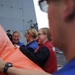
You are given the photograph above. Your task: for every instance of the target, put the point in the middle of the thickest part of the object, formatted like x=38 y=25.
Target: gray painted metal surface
x=17 y=15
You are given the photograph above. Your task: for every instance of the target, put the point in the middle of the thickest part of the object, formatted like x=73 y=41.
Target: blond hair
x=33 y=32
x=47 y=32
x=16 y=32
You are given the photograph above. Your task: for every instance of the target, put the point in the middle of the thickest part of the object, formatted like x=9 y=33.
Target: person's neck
x=30 y=40
x=70 y=51
x=45 y=41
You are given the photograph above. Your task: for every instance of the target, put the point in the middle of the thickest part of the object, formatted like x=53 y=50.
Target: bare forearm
x=16 y=71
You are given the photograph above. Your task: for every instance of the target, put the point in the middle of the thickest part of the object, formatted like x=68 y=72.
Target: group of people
x=43 y=55
x=61 y=15
x=41 y=52
x=15 y=38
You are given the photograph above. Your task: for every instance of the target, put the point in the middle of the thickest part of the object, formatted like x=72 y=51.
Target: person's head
x=44 y=35
x=61 y=15
x=8 y=31
x=15 y=37
x=31 y=34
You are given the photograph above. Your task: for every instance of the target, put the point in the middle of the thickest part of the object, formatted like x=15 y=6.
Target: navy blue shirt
x=19 y=43
x=33 y=45
x=68 y=69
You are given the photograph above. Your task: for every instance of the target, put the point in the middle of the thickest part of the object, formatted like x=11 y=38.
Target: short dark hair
x=8 y=30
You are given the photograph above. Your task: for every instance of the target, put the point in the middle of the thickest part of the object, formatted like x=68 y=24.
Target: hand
x=2 y=64
x=16 y=46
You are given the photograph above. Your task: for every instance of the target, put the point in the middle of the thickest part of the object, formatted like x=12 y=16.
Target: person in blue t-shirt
x=16 y=39
x=31 y=36
x=61 y=15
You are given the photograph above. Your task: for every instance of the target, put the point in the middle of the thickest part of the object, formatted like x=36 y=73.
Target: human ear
x=69 y=11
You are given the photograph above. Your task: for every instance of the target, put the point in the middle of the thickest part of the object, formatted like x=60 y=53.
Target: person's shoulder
x=44 y=48
x=33 y=43
x=20 y=43
x=67 y=69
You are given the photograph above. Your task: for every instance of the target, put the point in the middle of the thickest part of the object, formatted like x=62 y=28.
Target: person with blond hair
x=31 y=36
x=16 y=39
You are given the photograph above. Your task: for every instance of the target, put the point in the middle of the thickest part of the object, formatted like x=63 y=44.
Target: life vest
x=51 y=64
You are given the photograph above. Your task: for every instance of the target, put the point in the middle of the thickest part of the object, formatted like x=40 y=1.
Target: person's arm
x=17 y=71
x=39 y=57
